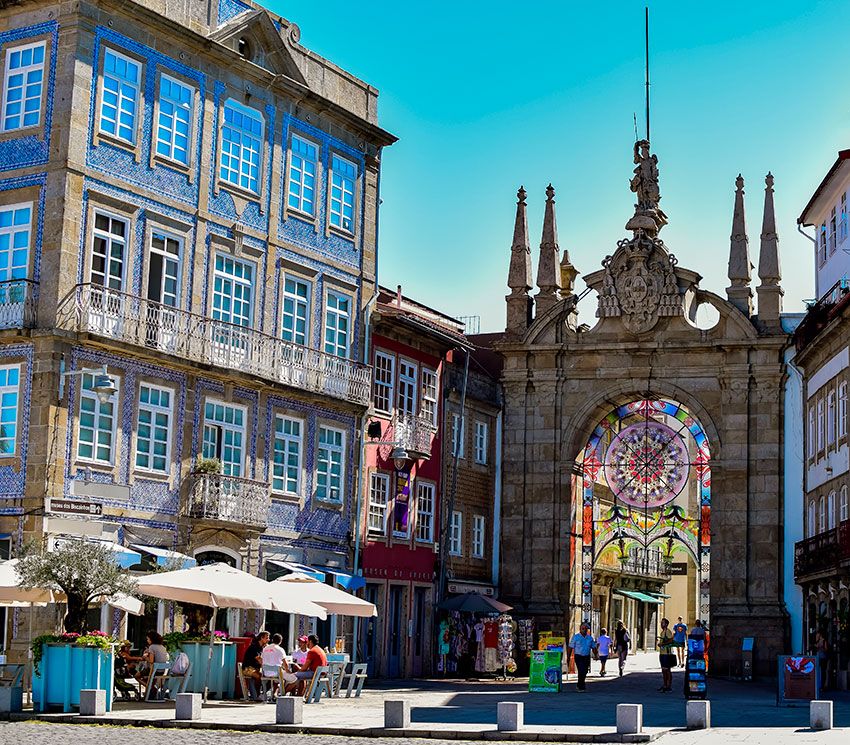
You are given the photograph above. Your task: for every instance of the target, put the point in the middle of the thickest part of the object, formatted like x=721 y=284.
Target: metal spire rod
x=646 y=30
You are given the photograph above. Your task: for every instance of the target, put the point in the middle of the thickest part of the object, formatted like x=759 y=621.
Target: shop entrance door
x=394 y=642
x=419 y=633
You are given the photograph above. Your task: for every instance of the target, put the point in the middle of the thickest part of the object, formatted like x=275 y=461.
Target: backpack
x=181 y=664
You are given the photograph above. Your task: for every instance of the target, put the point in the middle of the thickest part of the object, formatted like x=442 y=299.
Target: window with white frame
x=119 y=105
x=23 y=86
x=811 y=527
x=379 y=494
x=241 y=145
x=456 y=534
x=425 y=512
x=233 y=286
x=10 y=379
x=296 y=310
x=821 y=249
x=478 y=536
x=343 y=179
x=96 y=425
x=822 y=514
x=842 y=221
x=830 y=418
x=173 y=131
x=287 y=446
x=481 y=437
x=224 y=436
x=457 y=436
x=833 y=230
x=406 y=386
x=382 y=394
x=164 y=270
x=843 y=507
x=337 y=323
x=303 y=157
x=153 y=431
x=812 y=432
x=830 y=511
x=821 y=426
x=330 y=469
x=109 y=247
x=842 y=409
x=429 y=395
x=15 y=232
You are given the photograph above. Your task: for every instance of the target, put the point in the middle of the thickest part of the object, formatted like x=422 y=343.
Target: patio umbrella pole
x=29 y=655
x=209 y=657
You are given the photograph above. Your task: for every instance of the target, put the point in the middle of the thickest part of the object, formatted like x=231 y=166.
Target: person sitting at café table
x=299 y=656
x=155 y=652
x=274 y=662
x=316 y=658
x=252 y=663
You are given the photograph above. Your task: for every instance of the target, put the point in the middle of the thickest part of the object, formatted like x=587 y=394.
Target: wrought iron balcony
x=823 y=552
x=412 y=434
x=18 y=303
x=227 y=499
x=133 y=319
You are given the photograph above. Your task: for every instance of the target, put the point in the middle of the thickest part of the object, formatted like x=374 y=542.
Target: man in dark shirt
x=252 y=663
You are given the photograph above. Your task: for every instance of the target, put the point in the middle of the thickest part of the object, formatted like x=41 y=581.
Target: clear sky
x=486 y=96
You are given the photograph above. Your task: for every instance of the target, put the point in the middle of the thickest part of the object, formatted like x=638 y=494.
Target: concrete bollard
x=188 y=706
x=698 y=714
x=820 y=714
x=629 y=719
x=397 y=714
x=510 y=716
x=92 y=702
x=290 y=710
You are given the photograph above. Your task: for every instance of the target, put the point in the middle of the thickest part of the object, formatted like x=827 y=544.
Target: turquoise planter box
x=66 y=669
x=222 y=671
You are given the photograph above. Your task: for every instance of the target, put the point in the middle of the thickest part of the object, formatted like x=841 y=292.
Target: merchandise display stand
x=695 y=669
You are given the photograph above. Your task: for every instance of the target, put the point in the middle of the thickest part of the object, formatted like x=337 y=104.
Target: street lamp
x=103 y=383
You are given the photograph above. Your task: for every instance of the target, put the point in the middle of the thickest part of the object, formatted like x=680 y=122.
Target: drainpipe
x=815 y=244
x=497 y=502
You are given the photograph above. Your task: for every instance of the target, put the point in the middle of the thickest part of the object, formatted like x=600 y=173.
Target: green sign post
x=545 y=672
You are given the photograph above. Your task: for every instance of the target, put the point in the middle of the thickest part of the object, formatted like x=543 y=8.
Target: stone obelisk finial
x=769 y=291
x=548 y=269
x=739 y=292
x=519 y=273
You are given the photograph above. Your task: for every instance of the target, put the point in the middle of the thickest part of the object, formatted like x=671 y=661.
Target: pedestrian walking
x=666 y=656
x=680 y=635
x=603 y=649
x=622 y=642
x=582 y=644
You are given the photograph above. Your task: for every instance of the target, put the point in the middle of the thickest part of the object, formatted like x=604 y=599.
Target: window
x=832 y=232
x=286 y=468
x=23 y=86
x=15 y=226
x=175 y=120
x=842 y=505
x=481 y=442
x=425 y=512
x=302 y=175
x=822 y=514
x=830 y=418
x=96 y=433
x=241 y=144
x=382 y=396
x=120 y=96
x=108 y=249
x=406 y=387
x=224 y=436
x=456 y=534
x=842 y=225
x=233 y=282
x=153 y=433
x=164 y=269
x=428 y=407
x=296 y=310
x=842 y=410
x=329 y=466
x=343 y=175
x=478 y=536
x=830 y=511
x=10 y=378
x=821 y=426
x=379 y=493
x=457 y=435
x=812 y=432
x=337 y=319
x=811 y=527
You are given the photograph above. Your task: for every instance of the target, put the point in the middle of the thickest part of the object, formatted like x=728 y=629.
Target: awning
x=346 y=580
x=125 y=557
x=292 y=566
x=642 y=596
x=657 y=594
x=165 y=556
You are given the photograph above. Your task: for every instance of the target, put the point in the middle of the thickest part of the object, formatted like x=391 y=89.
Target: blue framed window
x=23 y=86
x=343 y=177
x=241 y=145
x=153 y=433
x=10 y=378
x=175 y=120
x=120 y=96
x=302 y=175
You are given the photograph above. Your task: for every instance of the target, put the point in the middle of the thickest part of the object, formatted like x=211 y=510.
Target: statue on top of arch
x=648 y=215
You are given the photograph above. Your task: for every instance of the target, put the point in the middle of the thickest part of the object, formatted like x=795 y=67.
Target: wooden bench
x=160 y=673
x=319 y=683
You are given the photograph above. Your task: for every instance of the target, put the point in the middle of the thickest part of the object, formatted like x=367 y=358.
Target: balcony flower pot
x=65 y=669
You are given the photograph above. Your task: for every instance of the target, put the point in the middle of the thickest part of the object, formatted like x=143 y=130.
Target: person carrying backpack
x=622 y=642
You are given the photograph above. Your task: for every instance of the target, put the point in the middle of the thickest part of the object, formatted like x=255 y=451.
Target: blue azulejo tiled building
x=188 y=212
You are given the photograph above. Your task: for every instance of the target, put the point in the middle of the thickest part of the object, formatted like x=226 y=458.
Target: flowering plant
x=96 y=639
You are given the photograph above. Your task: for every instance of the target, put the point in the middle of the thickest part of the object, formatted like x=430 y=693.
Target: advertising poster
x=545 y=671
x=798 y=679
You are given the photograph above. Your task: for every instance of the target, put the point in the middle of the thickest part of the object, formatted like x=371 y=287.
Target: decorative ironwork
x=822 y=552
x=227 y=499
x=413 y=434
x=18 y=303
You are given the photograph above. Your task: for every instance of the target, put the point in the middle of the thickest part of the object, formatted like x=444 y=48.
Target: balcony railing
x=413 y=434
x=823 y=552
x=18 y=303
x=133 y=319
x=650 y=567
x=227 y=499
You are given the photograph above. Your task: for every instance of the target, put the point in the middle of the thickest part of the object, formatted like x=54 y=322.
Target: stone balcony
x=226 y=500
x=412 y=435
x=822 y=553
x=129 y=318
x=18 y=303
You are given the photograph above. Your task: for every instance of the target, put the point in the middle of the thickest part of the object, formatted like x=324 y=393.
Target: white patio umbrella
x=11 y=590
x=222 y=586
x=332 y=599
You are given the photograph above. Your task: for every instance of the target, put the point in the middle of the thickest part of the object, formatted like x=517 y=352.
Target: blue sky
x=486 y=96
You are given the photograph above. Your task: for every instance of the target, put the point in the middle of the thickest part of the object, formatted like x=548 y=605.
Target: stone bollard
x=509 y=716
x=698 y=714
x=92 y=702
x=629 y=719
x=820 y=714
x=397 y=714
x=290 y=710
x=188 y=706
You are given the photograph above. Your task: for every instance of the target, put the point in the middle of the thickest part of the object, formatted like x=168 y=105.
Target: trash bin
x=747 y=657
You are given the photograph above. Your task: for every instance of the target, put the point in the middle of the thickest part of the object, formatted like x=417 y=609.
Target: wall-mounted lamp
x=102 y=384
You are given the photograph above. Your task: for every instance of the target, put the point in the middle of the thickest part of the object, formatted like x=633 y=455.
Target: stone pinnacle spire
x=769 y=291
x=519 y=273
x=548 y=269
x=739 y=291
